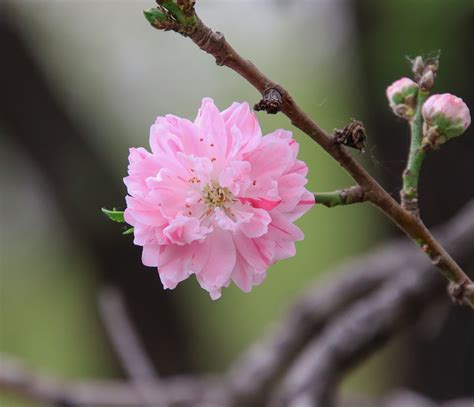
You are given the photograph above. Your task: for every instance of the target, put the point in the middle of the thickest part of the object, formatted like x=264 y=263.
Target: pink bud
x=446 y=116
x=401 y=95
x=398 y=90
x=451 y=107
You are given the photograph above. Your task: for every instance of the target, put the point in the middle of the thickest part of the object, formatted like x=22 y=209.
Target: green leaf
x=129 y=231
x=174 y=10
x=116 y=216
x=153 y=15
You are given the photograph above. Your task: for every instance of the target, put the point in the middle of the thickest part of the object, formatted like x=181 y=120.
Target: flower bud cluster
x=425 y=71
x=444 y=116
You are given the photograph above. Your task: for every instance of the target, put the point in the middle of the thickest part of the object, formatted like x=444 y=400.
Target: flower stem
x=347 y=196
x=409 y=193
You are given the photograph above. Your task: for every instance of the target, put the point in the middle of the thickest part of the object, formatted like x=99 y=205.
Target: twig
x=255 y=373
x=215 y=44
x=352 y=195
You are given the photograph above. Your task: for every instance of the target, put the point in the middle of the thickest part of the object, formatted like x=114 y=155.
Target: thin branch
x=215 y=44
x=254 y=374
x=348 y=196
x=126 y=343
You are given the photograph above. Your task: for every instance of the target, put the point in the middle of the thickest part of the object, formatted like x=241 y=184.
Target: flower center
x=215 y=196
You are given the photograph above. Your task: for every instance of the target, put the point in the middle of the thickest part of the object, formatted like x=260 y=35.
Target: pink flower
x=401 y=95
x=216 y=199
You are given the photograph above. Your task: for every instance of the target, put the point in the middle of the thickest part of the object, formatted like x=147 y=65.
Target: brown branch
x=215 y=44
x=253 y=376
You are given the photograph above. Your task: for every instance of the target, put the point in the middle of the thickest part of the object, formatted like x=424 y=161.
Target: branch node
x=353 y=194
x=459 y=292
x=348 y=196
x=271 y=101
x=353 y=135
x=410 y=199
x=219 y=39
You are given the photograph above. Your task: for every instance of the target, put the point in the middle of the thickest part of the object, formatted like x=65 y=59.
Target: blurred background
x=82 y=81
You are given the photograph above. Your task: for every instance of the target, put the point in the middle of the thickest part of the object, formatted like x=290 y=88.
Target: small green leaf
x=174 y=10
x=153 y=15
x=129 y=231
x=116 y=216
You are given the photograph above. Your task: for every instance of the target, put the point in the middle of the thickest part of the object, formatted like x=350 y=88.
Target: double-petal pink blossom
x=216 y=199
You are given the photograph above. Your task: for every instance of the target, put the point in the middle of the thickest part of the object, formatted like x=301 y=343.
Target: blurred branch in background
x=125 y=341
x=325 y=335
x=181 y=392
x=314 y=315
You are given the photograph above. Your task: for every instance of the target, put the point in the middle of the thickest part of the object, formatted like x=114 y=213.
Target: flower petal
x=221 y=260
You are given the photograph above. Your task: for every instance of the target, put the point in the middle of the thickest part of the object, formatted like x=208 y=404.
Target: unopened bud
x=418 y=67
x=176 y=15
x=446 y=116
x=432 y=64
x=153 y=15
x=402 y=97
x=427 y=81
